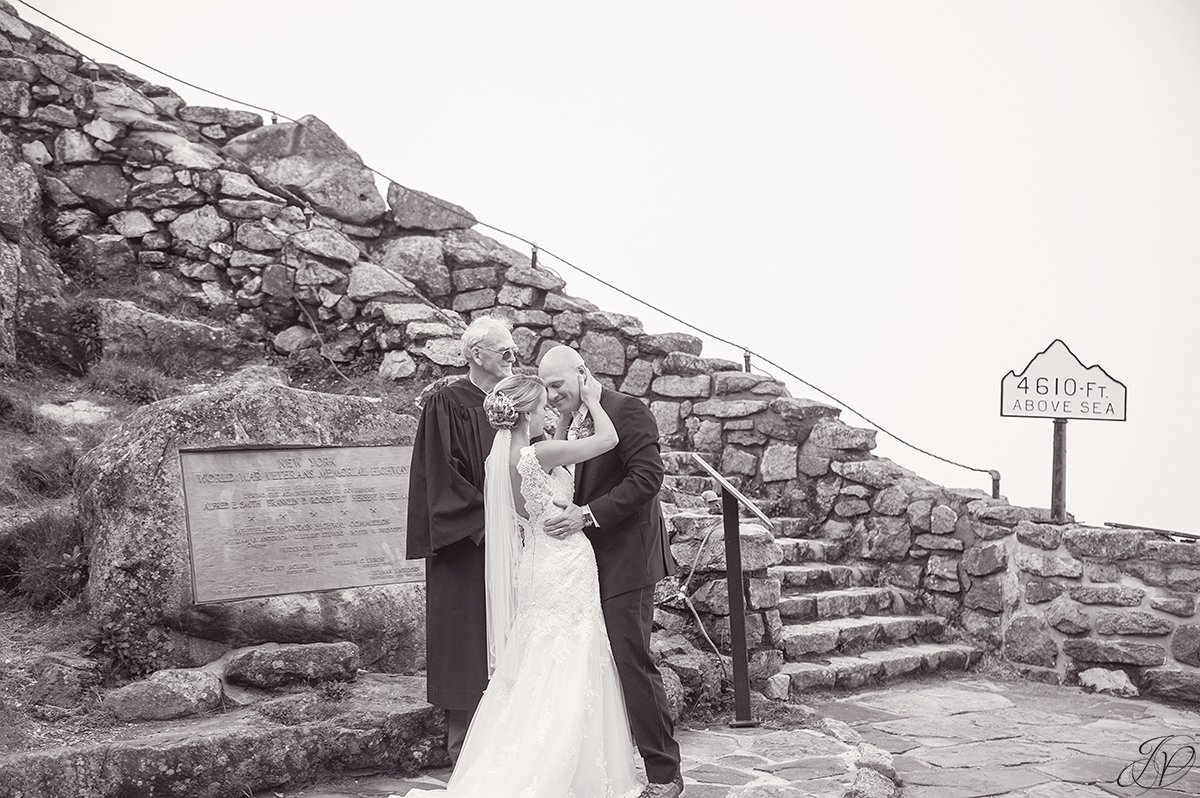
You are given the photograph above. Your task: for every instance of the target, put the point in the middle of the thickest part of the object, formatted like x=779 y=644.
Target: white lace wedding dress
x=552 y=722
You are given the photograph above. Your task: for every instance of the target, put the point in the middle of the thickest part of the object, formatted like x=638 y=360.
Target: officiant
x=445 y=524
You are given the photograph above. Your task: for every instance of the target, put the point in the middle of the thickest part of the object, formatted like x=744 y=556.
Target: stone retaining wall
x=1084 y=597
x=1056 y=600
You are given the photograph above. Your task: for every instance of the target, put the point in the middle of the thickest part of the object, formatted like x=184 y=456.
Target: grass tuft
x=47 y=471
x=43 y=562
x=16 y=413
x=134 y=382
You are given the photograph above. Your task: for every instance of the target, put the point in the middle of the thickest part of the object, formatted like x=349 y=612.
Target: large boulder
x=25 y=261
x=19 y=199
x=19 y=192
x=62 y=679
x=1028 y=640
x=308 y=158
x=275 y=665
x=416 y=210
x=166 y=694
x=140 y=580
x=42 y=337
x=419 y=258
x=106 y=255
x=126 y=330
x=102 y=187
x=10 y=263
x=208 y=115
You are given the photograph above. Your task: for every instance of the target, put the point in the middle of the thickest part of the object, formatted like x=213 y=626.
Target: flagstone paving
x=965 y=737
x=718 y=763
x=973 y=737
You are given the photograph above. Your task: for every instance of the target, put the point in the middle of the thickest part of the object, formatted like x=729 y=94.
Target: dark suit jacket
x=621 y=488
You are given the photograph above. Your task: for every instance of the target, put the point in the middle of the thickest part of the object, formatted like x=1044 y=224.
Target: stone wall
x=276 y=233
x=276 y=230
x=205 y=207
x=1084 y=597
x=1054 y=600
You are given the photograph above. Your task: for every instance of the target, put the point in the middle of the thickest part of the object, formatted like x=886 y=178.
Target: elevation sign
x=1056 y=384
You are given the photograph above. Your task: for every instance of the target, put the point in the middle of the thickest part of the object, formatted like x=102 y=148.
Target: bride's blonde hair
x=512 y=396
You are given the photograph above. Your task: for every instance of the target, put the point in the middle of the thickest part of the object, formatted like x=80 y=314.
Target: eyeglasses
x=505 y=354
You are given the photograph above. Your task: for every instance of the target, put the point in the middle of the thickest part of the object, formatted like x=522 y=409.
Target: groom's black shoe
x=672 y=790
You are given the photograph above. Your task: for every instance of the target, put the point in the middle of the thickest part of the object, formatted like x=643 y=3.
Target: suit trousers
x=629 y=617
x=457 y=723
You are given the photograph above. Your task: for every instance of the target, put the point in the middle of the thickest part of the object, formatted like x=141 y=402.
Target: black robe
x=445 y=525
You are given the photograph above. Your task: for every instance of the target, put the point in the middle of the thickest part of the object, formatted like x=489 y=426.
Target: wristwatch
x=588 y=518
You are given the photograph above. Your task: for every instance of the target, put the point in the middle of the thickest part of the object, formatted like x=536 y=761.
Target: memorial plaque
x=270 y=521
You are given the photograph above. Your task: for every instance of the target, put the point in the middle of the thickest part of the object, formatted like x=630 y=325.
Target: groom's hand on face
x=568 y=522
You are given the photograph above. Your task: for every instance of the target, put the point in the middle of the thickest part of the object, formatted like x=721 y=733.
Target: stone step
x=683 y=464
x=807 y=529
x=689 y=484
x=797 y=550
x=875 y=667
x=806 y=578
x=699 y=524
x=786 y=527
x=825 y=604
x=682 y=500
x=851 y=635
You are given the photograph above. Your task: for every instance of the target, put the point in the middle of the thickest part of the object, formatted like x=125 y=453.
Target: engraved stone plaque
x=270 y=521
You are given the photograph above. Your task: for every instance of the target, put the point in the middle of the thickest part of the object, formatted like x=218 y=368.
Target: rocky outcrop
x=383 y=723
x=126 y=330
x=140 y=577
x=19 y=191
x=307 y=157
x=416 y=210
x=267 y=228
x=62 y=680
x=20 y=197
x=10 y=260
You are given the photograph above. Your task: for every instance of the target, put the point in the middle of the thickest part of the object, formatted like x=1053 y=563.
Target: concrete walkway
x=960 y=737
x=968 y=737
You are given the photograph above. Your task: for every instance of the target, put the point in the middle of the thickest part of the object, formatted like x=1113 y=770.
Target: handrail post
x=737 y=611
x=995 y=483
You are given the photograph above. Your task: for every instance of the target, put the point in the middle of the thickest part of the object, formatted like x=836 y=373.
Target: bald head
x=559 y=370
x=561 y=357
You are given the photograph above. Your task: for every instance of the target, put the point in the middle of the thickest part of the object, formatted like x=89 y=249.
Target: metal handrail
x=1172 y=532
x=737 y=494
x=730 y=497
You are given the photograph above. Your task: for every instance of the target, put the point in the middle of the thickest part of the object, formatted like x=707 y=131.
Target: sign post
x=1056 y=385
x=1058 y=473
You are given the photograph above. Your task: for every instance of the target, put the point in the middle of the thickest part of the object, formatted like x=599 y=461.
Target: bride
x=552 y=722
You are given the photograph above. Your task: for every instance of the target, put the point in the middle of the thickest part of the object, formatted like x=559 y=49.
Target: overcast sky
x=900 y=201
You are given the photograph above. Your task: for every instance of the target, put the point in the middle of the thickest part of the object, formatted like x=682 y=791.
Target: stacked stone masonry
x=278 y=237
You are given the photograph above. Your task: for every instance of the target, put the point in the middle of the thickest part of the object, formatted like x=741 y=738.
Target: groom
x=618 y=510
